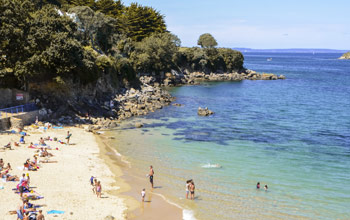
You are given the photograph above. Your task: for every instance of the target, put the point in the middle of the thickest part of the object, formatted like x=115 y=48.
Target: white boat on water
x=269 y=59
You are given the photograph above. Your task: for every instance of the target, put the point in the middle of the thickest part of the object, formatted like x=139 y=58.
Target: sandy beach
x=64 y=185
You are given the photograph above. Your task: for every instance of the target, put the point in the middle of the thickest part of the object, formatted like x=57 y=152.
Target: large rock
x=204 y=111
x=138 y=125
x=345 y=56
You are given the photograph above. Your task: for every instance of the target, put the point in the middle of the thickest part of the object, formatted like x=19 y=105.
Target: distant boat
x=269 y=59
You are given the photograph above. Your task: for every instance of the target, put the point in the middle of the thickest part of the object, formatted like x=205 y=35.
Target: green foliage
x=142 y=21
x=110 y=7
x=47 y=46
x=210 y=60
x=39 y=41
x=233 y=59
x=156 y=53
x=101 y=31
x=207 y=41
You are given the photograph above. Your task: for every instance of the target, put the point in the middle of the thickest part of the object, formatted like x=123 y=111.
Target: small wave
x=209 y=165
x=188 y=215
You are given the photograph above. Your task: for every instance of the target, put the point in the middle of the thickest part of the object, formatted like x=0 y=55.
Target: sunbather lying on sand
x=8 y=146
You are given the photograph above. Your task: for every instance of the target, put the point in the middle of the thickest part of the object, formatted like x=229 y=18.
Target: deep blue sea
x=292 y=135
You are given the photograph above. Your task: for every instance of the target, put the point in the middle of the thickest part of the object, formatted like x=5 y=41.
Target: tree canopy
x=207 y=41
x=80 y=40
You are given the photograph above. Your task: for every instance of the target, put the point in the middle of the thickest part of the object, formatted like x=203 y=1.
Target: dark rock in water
x=177 y=104
x=281 y=77
x=204 y=111
x=138 y=125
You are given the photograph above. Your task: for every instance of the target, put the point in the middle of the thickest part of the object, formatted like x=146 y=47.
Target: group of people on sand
x=258 y=186
x=27 y=210
x=96 y=186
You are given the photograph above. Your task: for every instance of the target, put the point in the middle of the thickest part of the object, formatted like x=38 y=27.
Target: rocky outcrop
x=345 y=56
x=195 y=77
x=204 y=111
x=102 y=105
x=140 y=102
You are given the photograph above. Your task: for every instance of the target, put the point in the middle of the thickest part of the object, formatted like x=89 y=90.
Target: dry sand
x=65 y=185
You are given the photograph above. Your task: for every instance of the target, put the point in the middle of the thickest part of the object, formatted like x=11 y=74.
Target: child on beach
x=92 y=180
x=98 y=189
x=94 y=185
x=143 y=194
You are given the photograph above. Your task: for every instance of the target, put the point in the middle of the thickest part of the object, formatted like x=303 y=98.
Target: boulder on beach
x=204 y=111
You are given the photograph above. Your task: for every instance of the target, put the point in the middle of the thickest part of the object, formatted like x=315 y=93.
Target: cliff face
x=345 y=56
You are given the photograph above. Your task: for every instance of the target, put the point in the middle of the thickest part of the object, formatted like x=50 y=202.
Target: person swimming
x=266 y=187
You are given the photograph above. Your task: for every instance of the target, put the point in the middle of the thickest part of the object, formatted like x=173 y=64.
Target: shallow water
x=293 y=135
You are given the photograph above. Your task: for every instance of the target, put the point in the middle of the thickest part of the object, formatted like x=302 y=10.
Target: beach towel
x=57 y=127
x=55 y=212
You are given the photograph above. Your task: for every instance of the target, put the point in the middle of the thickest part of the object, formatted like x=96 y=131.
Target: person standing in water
x=151 y=173
x=192 y=188
x=265 y=187
x=258 y=185
x=188 y=182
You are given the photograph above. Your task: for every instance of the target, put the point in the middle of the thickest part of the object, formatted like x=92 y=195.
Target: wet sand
x=131 y=185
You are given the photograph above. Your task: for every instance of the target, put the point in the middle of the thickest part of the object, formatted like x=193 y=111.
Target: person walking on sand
x=192 y=188
x=98 y=189
x=68 y=137
x=94 y=185
x=151 y=173
x=40 y=215
x=143 y=194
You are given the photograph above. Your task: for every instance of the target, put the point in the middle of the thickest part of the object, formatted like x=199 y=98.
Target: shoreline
x=155 y=207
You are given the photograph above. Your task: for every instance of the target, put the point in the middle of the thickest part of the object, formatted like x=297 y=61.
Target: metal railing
x=9 y=112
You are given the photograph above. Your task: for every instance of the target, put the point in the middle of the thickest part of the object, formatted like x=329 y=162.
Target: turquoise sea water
x=293 y=135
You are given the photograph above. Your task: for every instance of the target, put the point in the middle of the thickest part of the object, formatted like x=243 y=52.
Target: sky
x=259 y=24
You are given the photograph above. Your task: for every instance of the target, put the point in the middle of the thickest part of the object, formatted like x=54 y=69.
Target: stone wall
x=5 y=124
x=19 y=121
x=8 y=97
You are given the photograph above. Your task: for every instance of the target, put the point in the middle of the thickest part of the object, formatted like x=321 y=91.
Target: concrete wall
x=19 y=121
x=29 y=117
x=8 y=97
